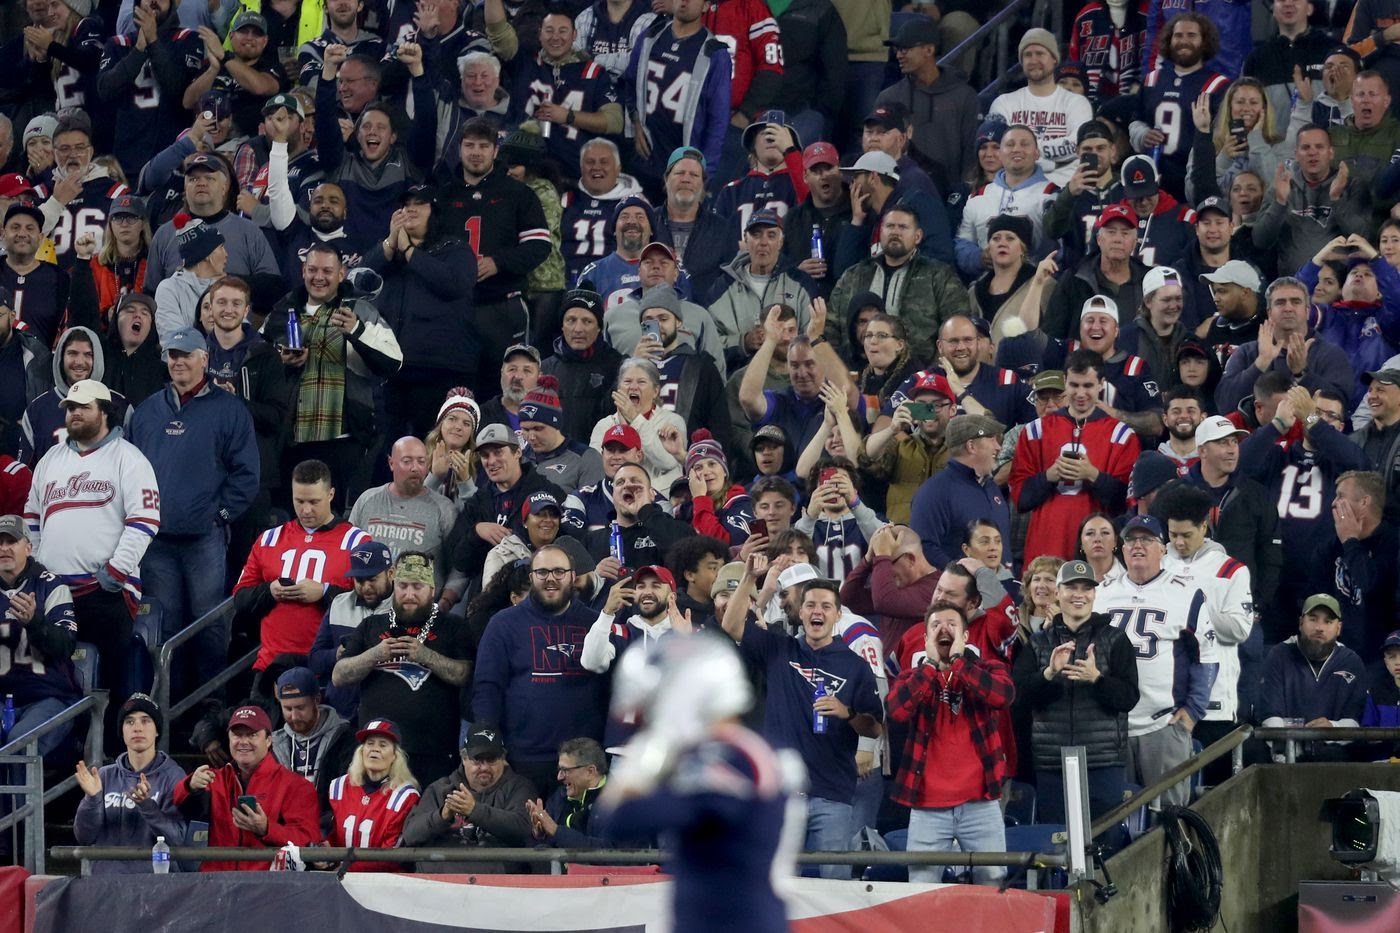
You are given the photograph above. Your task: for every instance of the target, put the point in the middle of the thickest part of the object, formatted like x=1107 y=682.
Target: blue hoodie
x=111 y=818
x=1369 y=332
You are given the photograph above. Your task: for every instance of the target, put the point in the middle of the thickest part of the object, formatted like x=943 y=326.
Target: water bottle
x=1156 y=154
x=7 y=719
x=160 y=857
x=615 y=543
x=819 y=722
x=293 y=331
x=818 y=247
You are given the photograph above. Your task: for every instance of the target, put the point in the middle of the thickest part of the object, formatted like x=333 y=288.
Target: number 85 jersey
x=1168 y=621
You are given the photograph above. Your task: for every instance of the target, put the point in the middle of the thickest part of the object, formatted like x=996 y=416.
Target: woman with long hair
x=1098 y=546
x=452 y=461
x=716 y=508
x=888 y=363
x=982 y=542
x=1245 y=137
x=119 y=268
x=1038 y=594
x=637 y=400
x=370 y=802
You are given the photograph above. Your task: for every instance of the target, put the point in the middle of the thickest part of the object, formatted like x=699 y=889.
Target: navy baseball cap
x=1145 y=523
x=1392 y=640
x=295 y=683
x=368 y=560
x=764 y=217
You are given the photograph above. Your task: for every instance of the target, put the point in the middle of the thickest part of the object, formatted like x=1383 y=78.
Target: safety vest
x=310 y=22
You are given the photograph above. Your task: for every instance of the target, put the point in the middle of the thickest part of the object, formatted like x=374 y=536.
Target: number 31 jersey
x=1168 y=622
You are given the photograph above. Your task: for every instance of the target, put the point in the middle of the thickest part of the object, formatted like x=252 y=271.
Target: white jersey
x=1056 y=120
x=1230 y=606
x=1167 y=622
x=94 y=509
x=863 y=638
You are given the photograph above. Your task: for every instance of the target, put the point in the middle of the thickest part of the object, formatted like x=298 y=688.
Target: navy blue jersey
x=794 y=672
x=247 y=106
x=35 y=658
x=1167 y=236
x=668 y=79
x=591 y=507
x=87 y=213
x=585 y=231
x=840 y=546
x=1165 y=102
x=606 y=42
x=40 y=299
x=313 y=54
x=582 y=86
x=613 y=277
x=150 y=113
x=75 y=83
x=998 y=390
x=755 y=191
x=1131 y=384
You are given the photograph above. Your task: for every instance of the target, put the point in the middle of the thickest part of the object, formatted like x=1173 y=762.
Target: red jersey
x=1058 y=508
x=748 y=30
x=369 y=820
x=291 y=552
x=15 y=479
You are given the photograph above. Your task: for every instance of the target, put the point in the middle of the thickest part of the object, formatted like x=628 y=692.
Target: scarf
x=321 y=392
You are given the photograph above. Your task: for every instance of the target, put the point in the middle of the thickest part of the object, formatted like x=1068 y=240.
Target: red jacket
x=15 y=479
x=748 y=29
x=870 y=590
x=289 y=800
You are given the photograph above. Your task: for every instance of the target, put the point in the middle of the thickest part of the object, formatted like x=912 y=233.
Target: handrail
x=1005 y=13
x=94 y=699
x=165 y=658
x=1292 y=735
x=537 y=856
x=1169 y=780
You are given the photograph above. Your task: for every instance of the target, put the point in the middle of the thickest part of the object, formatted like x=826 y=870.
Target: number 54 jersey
x=1168 y=621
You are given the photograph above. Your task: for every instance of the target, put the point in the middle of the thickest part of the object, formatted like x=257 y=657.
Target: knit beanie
x=460 y=398
x=542 y=404
x=703 y=446
x=635 y=200
x=142 y=703
x=587 y=299
x=81 y=7
x=1041 y=37
x=197 y=239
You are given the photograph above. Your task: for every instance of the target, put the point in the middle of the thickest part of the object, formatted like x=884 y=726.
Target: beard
x=411 y=617
x=1186 y=55
x=84 y=431
x=896 y=249
x=1183 y=431
x=553 y=602
x=1317 y=652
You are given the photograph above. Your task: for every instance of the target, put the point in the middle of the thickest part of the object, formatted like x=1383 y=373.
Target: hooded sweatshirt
x=586 y=227
x=1226 y=584
x=943 y=117
x=177 y=301
x=111 y=818
x=43 y=421
x=320 y=757
x=1029 y=198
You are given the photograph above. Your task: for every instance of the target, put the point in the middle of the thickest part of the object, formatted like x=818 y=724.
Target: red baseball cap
x=13 y=184
x=1116 y=212
x=661 y=573
x=382 y=727
x=250 y=717
x=820 y=154
x=623 y=434
x=655 y=246
x=934 y=382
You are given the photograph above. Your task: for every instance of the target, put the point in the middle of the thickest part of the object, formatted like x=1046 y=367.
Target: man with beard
x=1053 y=113
x=799 y=407
x=505 y=227
x=583 y=363
x=79 y=356
x=691 y=384
x=921 y=292
x=979 y=389
x=907 y=451
x=587 y=224
x=39 y=289
x=142 y=77
x=411 y=661
x=879 y=185
x=1185 y=410
x=622 y=326
x=1234 y=288
x=1357 y=561
x=323 y=220
x=1314 y=677
x=371 y=577
x=520 y=373
x=827 y=206
x=1168 y=92
x=79 y=191
x=699 y=237
x=405 y=514
x=314 y=741
x=530 y=681
x=641 y=518
x=615 y=275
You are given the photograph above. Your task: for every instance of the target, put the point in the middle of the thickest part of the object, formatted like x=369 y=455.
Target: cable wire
x=1194 y=873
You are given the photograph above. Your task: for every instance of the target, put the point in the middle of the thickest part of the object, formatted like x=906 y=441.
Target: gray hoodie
x=314 y=756
x=177 y=301
x=111 y=818
x=42 y=424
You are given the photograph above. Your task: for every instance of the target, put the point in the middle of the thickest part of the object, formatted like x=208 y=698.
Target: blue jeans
x=28 y=717
x=865 y=808
x=184 y=577
x=828 y=830
x=968 y=827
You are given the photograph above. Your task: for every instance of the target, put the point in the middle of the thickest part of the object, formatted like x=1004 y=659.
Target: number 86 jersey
x=85 y=214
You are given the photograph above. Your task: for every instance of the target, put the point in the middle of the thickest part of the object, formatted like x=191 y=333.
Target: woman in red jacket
x=716 y=508
x=370 y=803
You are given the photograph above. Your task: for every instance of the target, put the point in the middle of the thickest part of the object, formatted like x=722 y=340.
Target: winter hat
x=522 y=148
x=1041 y=37
x=42 y=125
x=635 y=200
x=460 y=397
x=1019 y=226
x=142 y=703
x=197 y=239
x=587 y=299
x=991 y=131
x=703 y=446
x=81 y=7
x=542 y=404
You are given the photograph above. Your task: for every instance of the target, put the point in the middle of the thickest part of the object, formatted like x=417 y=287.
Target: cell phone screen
x=920 y=411
x=826 y=474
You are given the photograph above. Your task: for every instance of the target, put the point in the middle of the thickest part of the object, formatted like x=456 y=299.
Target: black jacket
x=261 y=381
x=509 y=226
x=1361 y=574
x=797 y=244
x=1246 y=526
x=645 y=543
x=1061 y=319
x=427 y=300
x=585 y=385
x=814 y=41
x=700 y=398
x=137 y=375
x=1068 y=713
x=489 y=504
x=709 y=247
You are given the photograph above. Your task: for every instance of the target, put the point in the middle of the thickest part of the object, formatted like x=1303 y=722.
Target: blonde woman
x=1038 y=602
x=452 y=462
x=370 y=802
x=1244 y=139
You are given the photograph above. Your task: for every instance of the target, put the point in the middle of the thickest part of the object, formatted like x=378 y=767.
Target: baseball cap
x=685 y=152
x=915 y=30
x=28 y=210
x=422 y=193
x=295 y=683
x=727 y=580
x=369 y=560
x=1158 y=276
x=496 y=435
x=249 y=18
x=1051 y=380
x=1324 y=601
x=657 y=571
x=1120 y=212
x=797 y=573
x=1388 y=376
x=656 y=246
x=1147 y=523
x=517 y=349
x=881 y=163
x=1391 y=641
x=764 y=217
x=822 y=153
x=1099 y=304
x=203 y=162
x=413 y=567
x=888 y=117
x=13 y=184
x=13 y=526
x=1151 y=472
x=86 y=391
x=1218 y=427
x=128 y=205
x=764 y=120
x=1192 y=347
x=1235 y=272
x=964 y=428
x=623 y=434
x=1093 y=129
x=770 y=433
x=1075 y=571
x=384 y=727
x=936 y=383
x=541 y=500
x=290 y=101
x=1213 y=203
x=184 y=340
x=1070 y=68
x=485 y=741
x=1139 y=177
x=250 y=717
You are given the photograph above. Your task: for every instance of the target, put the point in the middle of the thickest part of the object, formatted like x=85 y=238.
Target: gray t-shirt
x=421 y=523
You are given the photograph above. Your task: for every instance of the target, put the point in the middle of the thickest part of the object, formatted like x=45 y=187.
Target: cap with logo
x=290 y=101
x=1139 y=177
x=1217 y=428
x=768 y=434
x=1213 y=203
x=414 y=567
x=1070 y=68
x=13 y=184
x=142 y=703
x=384 y=728
x=520 y=349
x=1324 y=601
x=369 y=560
x=127 y=205
x=421 y=193
x=888 y=117
x=1116 y=212
x=727 y=580
x=496 y=435
x=1147 y=523
x=539 y=502
x=249 y=18
x=1075 y=571
x=623 y=434
x=991 y=131
x=87 y=391
x=296 y=683
x=1391 y=641
x=935 y=383
x=253 y=718
x=881 y=163
x=1235 y=272
x=820 y=154
x=1051 y=380
x=657 y=571
x=964 y=428
x=184 y=340
x=204 y=162
x=1158 y=276
x=483 y=742
x=764 y=217
x=1390 y=377
x=1099 y=304
x=12 y=526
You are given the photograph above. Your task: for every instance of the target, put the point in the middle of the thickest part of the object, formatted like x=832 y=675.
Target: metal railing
x=1000 y=22
x=1291 y=736
x=23 y=751
x=164 y=661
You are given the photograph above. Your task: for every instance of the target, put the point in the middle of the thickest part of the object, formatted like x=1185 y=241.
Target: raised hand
x=88 y=779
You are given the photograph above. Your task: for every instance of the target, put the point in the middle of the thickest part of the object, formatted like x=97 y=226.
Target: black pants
x=499 y=326
x=546 y=319
x=543 y=774
x=413 y=401
x=105 y=621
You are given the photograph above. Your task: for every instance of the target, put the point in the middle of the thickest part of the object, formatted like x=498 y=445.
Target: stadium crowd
x=472 y=345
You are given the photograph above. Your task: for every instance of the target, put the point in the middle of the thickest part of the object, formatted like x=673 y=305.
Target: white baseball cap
x=1158 y=276
x=1217 y=428
x=1102 y=304
x=87 y=391
x=881 y=163
x=797 y=573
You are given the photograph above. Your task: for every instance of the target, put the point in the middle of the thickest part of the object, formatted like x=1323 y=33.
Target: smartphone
x=248 y=800
x=758 y=528
x=1073 y=454
x=286 y=581
x=1090 y=160
x=208 y=114
x=921 y=411
x=826 y=475
x=651 y=329
x=1237 y=129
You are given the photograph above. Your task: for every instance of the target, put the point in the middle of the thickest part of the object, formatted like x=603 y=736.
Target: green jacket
x=923 y=293
x=548 y=276
x=1366 y=152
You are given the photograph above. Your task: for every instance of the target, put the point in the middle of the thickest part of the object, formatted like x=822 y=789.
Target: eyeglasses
x=873 y=335
x=70 y=150
x=1331 y=416
x=1139 y=541
x=551 y=573
x=564 y=770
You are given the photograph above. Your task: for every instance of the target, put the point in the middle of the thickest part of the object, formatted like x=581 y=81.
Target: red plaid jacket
x=985 y=685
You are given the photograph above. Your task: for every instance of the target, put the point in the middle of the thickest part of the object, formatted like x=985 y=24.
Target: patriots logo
x=415 y=675
x=566 y=649
x=489 y=734
x=819 y=678
x=1348 y=676
x=595 y=380
x=363 y=555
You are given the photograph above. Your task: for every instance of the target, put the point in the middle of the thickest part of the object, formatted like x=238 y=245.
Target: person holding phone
x=1093 y=186
x=1246 y=137
x=251 y=802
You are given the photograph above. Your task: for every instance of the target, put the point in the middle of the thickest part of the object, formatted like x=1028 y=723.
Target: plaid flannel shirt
x=986 y=690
